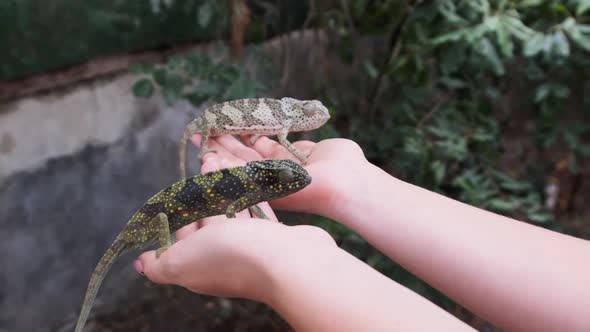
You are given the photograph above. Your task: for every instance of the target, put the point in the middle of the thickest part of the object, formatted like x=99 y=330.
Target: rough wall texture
x=74 y=165
x=95 y=159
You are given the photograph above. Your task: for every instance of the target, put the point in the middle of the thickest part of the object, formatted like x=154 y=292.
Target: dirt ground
x=173 y=308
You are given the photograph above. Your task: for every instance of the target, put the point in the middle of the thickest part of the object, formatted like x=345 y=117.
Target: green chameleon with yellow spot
x=226 y=191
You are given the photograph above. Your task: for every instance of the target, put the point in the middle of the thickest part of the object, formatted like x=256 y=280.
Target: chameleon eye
x=285 y=176
x=309 y=108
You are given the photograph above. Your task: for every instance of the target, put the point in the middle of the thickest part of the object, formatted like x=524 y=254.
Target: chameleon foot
x=159 y=251
x=238 y=205
x=282 y=137
x=254 y=138
x=257 y=212
x=163 y=233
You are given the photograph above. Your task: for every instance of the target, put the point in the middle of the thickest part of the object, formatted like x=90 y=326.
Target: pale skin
x=517 y=276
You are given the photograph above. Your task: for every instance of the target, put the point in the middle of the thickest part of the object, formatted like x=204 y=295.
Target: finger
x=266 y=147
x=271 y=149
x=196 y=140
x=228 y=159
x=210 y=163
x=237 y=148
x=152 y=267
x=214 y=145
x=186 y=231
x=304 y=146
x=265 y=207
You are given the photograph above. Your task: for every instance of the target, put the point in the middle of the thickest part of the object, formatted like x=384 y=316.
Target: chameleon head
x=277 y=178
x=305 y=114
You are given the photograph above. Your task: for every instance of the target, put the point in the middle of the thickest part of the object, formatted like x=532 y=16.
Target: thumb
x=157 y=270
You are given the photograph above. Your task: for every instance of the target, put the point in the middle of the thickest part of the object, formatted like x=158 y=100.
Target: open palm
x=333 y=165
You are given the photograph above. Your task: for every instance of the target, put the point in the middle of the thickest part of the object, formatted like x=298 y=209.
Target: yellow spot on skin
x=185 y=214
x=179 y=208
x=211 y=195
x=208 y=190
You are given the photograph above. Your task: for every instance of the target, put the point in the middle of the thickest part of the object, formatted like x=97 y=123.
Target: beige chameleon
x=255 y=117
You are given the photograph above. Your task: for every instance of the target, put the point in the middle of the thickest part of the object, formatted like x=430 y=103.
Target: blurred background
x=483 y=101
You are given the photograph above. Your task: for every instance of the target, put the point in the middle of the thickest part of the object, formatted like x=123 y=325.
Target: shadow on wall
x=57 y=221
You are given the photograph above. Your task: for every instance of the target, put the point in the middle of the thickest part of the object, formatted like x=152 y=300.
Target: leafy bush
x=476 y=100
x=196 y=78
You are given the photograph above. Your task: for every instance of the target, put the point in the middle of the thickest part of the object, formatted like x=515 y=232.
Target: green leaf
x=583 y=6
x=172 y=87
x=503 y=205
x=141 y=68
x=573 y=31
x=452 y=83
x=438 y=170
x=560 y=90
x=560 y=8
x=175 y=62
x=160 y=76
x=530 y=3
x=197 y=98
x=504 y=41
x=174 y=81
x=205 y=14
x=517 y=28
x=482 y=135
x=370 y=69
x=170 y=95
x=448 y=10
x=489 y=51
x=560 y=44
x=542 y=93
x=451 y=36
x=534 y=45
x=143 y=88
x=539 y=216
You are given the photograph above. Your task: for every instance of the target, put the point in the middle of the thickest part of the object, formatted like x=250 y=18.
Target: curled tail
x=102 y=268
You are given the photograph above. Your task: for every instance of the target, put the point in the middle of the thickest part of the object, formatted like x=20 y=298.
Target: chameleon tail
x=182 y=154
x=190 y=129
x=102 y=268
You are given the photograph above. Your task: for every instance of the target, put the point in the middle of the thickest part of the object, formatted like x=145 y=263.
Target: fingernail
x=138 y=267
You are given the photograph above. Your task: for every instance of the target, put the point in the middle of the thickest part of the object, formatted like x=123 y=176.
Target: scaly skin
x=226 y=191
x=255 y=117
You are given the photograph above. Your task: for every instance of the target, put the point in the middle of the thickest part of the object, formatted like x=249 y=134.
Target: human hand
x=231 y=257
x=335 y=165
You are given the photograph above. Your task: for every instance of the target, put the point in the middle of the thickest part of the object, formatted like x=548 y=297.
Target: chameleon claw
x=160 y=251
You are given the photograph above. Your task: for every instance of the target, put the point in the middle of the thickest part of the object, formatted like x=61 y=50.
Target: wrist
x=353 y=199
x=298 y=252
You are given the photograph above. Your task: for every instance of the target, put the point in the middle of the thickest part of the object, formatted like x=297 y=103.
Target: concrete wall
x=78 y=165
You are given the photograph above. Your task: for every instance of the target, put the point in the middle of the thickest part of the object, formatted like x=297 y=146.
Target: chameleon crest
x=256 y=117
x=226 y=191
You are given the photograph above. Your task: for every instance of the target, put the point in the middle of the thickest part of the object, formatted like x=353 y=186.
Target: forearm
x=518 y=276
x=330 y=290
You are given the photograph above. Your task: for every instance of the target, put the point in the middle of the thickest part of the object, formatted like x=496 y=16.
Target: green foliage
x=196 y=78
x=42 y=35
x=465 y=96
x=38 y=36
